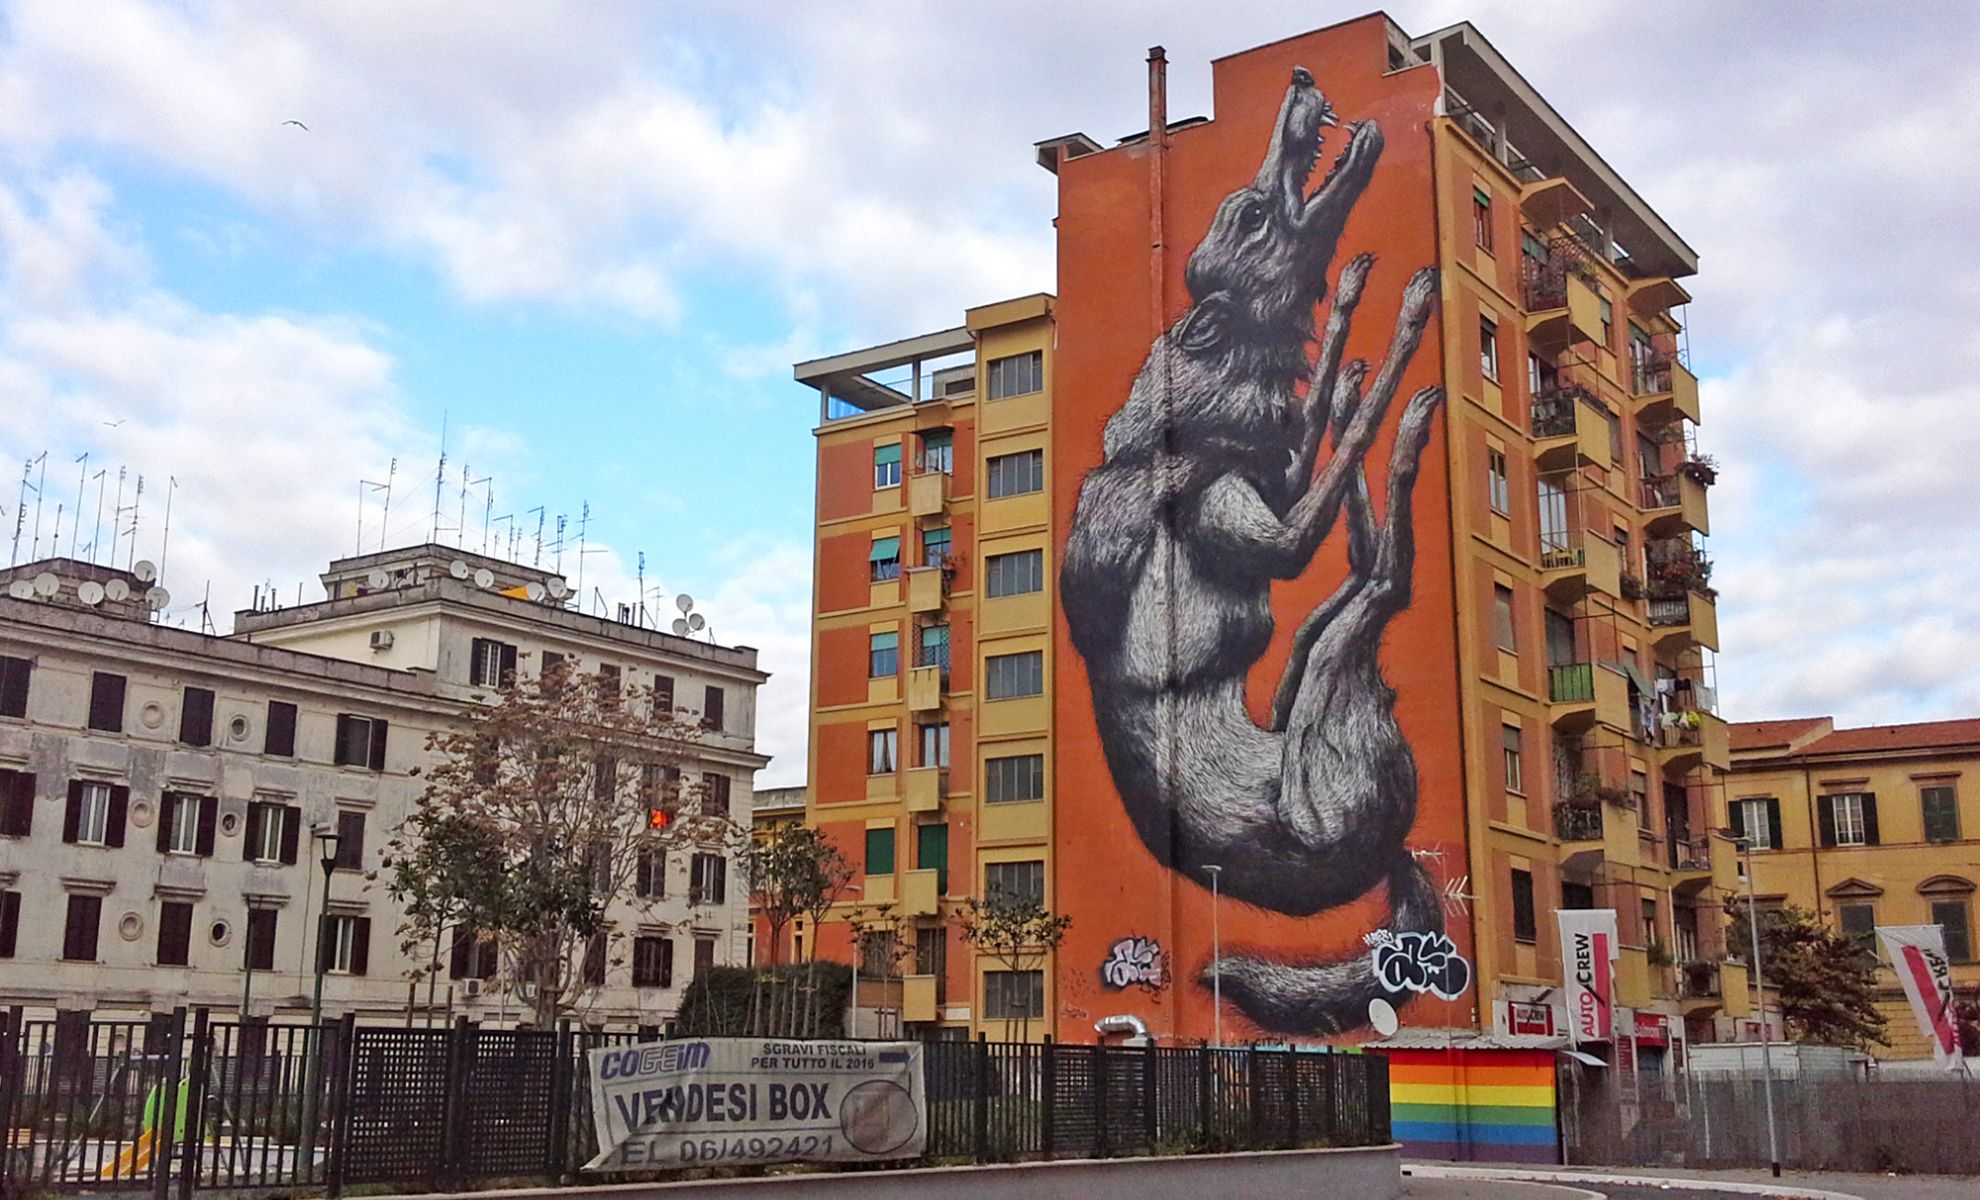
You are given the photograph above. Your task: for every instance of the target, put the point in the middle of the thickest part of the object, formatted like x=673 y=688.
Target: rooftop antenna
x=538 y=560
x=20 y=511
x=487 y=511
x=39 y=488
x=560 y=544
x=460 y=530
x=166 y=543
x=639 y=612
x=511 y=519
x=206 y=616
x=55 y=547
x=96 y=536
x=584 y=520
x=75 y=539
x=439 y=478
x=137 y=501
x=385 y=522
x=116 y=514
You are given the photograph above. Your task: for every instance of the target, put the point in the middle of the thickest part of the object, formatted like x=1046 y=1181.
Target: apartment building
x=1865 y=827
x=169 y=795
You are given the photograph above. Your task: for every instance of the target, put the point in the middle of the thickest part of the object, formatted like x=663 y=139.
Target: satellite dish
x=534 y=591
x=157 y=598
x=697 y=622
x=484 y=578
x=90 y=593
x=378 y=579
x=145 y=570
x=1382 y=1015
x=117 y=589
x=559 y=589
x=684 y=602
x=45 y=584
x=21 y=589
x=680 y=627
x=458 y=569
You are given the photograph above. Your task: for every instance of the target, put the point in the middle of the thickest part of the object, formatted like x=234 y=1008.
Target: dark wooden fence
x=234 y=1106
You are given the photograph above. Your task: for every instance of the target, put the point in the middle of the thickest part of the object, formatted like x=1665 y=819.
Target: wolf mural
x=1213 y=484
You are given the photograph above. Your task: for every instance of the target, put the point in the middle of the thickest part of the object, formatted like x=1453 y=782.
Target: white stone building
x=162 y=791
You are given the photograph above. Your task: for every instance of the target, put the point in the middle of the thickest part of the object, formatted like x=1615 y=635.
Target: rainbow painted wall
x=1474 y=1105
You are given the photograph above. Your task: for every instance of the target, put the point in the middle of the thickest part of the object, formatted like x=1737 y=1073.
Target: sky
x=259 y=253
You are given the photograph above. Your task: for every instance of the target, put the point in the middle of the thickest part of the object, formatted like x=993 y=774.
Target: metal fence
x=1840 y=1123
x=186 y=1101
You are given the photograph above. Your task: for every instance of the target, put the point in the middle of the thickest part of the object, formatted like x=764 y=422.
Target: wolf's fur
x=1208 y=492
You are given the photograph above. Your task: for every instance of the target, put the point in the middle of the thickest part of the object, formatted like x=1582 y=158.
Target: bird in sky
x=115 y=423
x=298 y=125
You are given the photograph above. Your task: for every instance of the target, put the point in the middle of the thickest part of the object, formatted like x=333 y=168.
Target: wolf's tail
x=1325 y=998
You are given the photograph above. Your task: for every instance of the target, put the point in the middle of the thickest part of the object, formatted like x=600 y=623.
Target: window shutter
x=1870 y=818
x=507 y=675
x=1825 y=815
x=476 y=646
x=347 y=754
x=487 y=958
x=280 y=738
x=257 y=816
x=1736 y=818
x=120 y=810
x=14 y=673
x=378 y=728
x=10 y=922
x=291 y=818
x=196 y=717
x=459 y=953
x=1774 y=832
x=209 y=813
x=168 y=805
x=325 y=939
x=712 y=710
x=350 y=841
x=643 y=884
x=361 y=947
x=666 y=961
x=16 y=803
x=72 y=817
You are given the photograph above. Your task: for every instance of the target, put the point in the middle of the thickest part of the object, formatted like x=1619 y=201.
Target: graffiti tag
x=1420 y=962
x=1133 y=961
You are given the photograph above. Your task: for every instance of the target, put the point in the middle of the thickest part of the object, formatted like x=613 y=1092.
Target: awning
x=882 y=455
x=885 y=549
x=1586 y=1060
x=1637 y=677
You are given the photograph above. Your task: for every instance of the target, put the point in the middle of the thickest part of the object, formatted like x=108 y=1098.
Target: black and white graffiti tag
x=1133 y=961
x=1420 y=962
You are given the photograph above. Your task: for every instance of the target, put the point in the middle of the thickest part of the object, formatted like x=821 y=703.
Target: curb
x=1523 y=1175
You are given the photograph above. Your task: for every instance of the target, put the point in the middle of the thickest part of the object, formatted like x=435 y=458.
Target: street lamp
x=1745 y=846
x=313 y=1037
x=1216 y=957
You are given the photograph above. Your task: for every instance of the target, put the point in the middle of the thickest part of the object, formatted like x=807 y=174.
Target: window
x=880 y=851
x=938 y=452
x=1509 y=739
x=883 y=655
x=714 y=703
x=932 y=647
x=650 y=874
x=1016 y=474
x=79 y=929
x=1481 y=218
x=1649 y=458
x=1502 y=617
x=704 y=955
x=258 y=947
x=1615 y=435
x=1008 y=676
x=1759 y=820
x=1652 y=936
x=1526 y=923
x=1013 y=995
x=592 y=972
x=16 y=803
x=663 y=695
x=345 y=947
x=1577 y=896
x=1018 y=777
x=96 y=814
x=935 y=546
x=1017 y=375
x=360 y=742
x=708 y=879
x=10 y=923
x=1941 y=807
x=491 y=663
x=931 y=853
x=1848 y=819
x=1016 y=880
x=1014 y=574
x=1608 y=321
x=653 y=962
x=715 y=794
x=1497 y=482
x=14 y=676
x=1488 y=348
x=605 y=781
x=931 y=955
x=280 y=738
x=882 y=751
x=350 y=841
x=608 y=685
x=273 y=833
x=886 y=466
x=883 y=562
x=1551 y=498
x=1950 y=915
x=1859 y=920
x=1541 y=375
x=935 y=745
x=106 y=702
x=472 y=956
x=196 y=717
x=185 y=823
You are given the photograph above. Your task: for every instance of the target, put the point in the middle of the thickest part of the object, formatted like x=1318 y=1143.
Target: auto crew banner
x=1589 y=950
x=1918 y=955
x=735 y=1101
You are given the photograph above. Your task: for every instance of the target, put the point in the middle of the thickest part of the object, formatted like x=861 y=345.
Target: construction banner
x=737 y=1101
x=1588 y=953
x=1918 y=955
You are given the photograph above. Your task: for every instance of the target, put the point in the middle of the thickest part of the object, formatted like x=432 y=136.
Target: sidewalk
x=1868 y=1187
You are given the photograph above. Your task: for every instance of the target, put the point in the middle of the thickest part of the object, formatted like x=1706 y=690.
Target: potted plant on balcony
x=1609 y=793
x=1701 y=469
x=1657 y=953
x=1632 y=586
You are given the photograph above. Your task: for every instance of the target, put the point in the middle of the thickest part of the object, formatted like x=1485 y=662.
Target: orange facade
x=1195 y=543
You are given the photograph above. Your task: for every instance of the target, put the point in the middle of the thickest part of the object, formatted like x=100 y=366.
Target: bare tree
x=1016 y=930
x=794 y=872
x=879 y=945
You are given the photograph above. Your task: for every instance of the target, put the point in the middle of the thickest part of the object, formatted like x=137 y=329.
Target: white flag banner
x=733 y=1101
x=1589 y=950
x=1918 y=955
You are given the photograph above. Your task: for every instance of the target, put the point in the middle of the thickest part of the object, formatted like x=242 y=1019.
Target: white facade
x=132 y=824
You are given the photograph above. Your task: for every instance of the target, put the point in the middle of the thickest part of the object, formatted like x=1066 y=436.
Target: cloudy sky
x=590 y=238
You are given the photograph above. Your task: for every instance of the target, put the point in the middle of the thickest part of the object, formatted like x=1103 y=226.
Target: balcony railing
x=1688 y=853
x=1670 y=610
x=1571 y=683
x=1661 y=491
x=1699 y=981
x=1576 y=823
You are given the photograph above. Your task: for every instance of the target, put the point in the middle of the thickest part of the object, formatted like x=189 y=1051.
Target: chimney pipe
x=1158 y=148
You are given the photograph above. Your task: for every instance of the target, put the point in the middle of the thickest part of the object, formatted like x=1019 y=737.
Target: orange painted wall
x=1104 y=878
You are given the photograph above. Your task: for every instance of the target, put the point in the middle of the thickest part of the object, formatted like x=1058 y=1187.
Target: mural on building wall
x=1235 y=456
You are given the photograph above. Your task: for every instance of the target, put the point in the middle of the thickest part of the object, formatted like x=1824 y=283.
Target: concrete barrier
x=1361 y=1172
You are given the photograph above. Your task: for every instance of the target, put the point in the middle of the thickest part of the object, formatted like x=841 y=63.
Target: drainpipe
x=1814 y=838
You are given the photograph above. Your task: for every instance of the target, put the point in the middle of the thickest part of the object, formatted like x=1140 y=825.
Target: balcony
x=1694 y=737
x=1688 y=618
x=1587 y=694
x=1700 y=987
x=878 y=889
x=928 y=493
x=925 y=688
x=1568 y=428
x=919 y=998
x=1656 y=295
x=1577 y=562
x=1665 y=389
x=925 y=788
x=1558 y=291
x=1689 y=856
x=919 y=894
x=927 y=589
x=1577 y=822
x=1677 y=567
x=1675 y=503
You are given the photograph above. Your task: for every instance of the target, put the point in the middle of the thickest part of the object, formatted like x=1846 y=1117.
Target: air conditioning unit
x=381 y=639
x=470 y=988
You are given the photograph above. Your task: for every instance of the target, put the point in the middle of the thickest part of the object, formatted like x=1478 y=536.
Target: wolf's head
x=1262 y=266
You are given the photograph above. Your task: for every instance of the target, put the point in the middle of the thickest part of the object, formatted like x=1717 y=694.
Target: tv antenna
x=137 y=502
x=96 y=535
x=172 y=485
x=439 y=478
x=460 y=531
x=538 y=560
